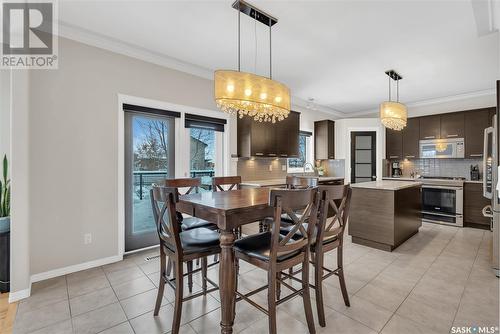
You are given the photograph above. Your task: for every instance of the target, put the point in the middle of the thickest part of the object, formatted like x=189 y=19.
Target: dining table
x=229 y=210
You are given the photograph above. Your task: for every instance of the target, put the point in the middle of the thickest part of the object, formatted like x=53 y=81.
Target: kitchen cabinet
x=474 y=202
x=452 y=125
x=266 y=139
x=475 y=123
x=324 y=140
x=411 y=135
x=286 y=130
x=430 y=127
x=393 y=144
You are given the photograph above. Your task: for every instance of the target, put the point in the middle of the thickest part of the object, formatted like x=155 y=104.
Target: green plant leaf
x=5 y=168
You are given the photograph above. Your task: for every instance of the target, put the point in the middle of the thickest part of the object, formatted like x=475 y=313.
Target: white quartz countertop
x=279 y=182
x=391 y=185
x=414 y=179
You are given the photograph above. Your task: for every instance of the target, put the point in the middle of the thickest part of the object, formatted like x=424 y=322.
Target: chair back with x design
x=301 y=205
x=192 y=184
x=163 y=201
x=297 y=182
x=233 y=183
x=334 y=212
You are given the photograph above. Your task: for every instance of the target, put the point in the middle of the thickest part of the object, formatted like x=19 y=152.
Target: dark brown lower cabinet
x=474 y=202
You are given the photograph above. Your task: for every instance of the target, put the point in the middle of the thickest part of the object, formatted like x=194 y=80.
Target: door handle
x=409 y=156
x=430 y=137
x=476 y=155
x=449 y=136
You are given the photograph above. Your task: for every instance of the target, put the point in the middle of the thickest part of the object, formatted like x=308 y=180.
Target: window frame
x=307 y=155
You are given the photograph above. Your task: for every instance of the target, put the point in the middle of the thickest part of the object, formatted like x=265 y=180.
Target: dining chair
x=187 y=223
x=192 y=185
x=231 y=183
x=298 y=182
x=180 y=246
x=274 y=253
x=328 y=235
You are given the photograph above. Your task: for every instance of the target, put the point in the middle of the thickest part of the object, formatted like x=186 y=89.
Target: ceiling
x=333 y=51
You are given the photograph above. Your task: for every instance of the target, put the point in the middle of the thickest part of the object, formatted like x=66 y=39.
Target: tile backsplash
x=268 y=168
x=441 y=167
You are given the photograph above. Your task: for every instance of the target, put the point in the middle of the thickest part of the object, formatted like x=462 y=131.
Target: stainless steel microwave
x=442 y=148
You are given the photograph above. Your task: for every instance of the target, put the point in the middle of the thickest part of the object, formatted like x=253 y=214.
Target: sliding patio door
x=149 y=158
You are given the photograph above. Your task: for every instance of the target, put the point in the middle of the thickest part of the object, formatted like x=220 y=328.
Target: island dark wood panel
x=384 y=219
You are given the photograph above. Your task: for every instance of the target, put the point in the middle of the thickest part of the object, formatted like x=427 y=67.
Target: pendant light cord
x=255 y=41
x=397 y=90
x=270 y=51
x=389 y=89
x=239 y=37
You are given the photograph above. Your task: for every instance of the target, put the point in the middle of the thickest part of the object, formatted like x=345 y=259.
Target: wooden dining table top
x=228 y=209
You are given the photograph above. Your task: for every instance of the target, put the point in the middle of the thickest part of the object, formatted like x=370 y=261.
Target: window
x=204 y=141
x=297 y=164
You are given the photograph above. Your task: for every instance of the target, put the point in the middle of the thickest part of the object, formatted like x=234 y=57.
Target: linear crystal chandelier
x=393 y=114
x=248 y=94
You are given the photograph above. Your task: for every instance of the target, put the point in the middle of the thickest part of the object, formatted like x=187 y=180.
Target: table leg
x=227 y=281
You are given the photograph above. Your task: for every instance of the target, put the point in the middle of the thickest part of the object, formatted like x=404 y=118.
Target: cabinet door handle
x=476 y=155
x=429 y=137
x=272 y=154
x=449 y=136
x=409 y=156
x=393 y=156
x=331 y=157
x=259 y=153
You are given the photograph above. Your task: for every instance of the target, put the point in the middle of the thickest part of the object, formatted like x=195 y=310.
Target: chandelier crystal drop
x=247 y=94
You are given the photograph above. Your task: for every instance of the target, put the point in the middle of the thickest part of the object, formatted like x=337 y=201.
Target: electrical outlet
x=87 y=238
x=270 y=168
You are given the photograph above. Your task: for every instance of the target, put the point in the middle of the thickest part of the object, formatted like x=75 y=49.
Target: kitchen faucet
x=304 y=167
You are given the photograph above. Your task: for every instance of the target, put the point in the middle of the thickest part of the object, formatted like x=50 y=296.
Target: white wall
x=343 y=129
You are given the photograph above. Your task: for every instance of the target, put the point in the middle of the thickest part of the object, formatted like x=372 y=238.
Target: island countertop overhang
x=388 y=185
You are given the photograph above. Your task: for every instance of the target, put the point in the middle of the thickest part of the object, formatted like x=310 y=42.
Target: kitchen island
x=384 y=214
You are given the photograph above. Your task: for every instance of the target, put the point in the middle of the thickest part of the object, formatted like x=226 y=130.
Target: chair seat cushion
x=259 y=246
x=188 y=223
x=199 y=240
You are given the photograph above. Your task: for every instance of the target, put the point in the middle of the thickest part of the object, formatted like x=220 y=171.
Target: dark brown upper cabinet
x=475 y=123
x=453 y=125
x=411 y=134
x=266 y=139
x=287 y=136
x=430 y=127
x=324 y=140
x=393 y=144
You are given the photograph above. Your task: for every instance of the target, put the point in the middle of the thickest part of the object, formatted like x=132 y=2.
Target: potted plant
x=5 y=199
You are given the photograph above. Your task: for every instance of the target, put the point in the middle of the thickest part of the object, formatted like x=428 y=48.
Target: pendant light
x=248 y=94
x=393 y=115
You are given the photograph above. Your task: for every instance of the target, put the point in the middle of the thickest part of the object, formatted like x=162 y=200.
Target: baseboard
x=77 y=267
x=18 y=295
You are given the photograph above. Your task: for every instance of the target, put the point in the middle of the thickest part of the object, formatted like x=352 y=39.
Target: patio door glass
x=149 y=158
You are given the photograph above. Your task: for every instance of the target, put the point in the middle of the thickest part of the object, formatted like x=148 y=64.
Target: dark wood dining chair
x=333 y=215
x=300 y=182
x=192 y=185
x=180 y=246
x=274 y=253
x=187 y=223
x=231 y=182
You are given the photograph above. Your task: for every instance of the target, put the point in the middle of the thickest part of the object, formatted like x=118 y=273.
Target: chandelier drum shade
x=252 y=95
x=393 y=114
x=247 y=94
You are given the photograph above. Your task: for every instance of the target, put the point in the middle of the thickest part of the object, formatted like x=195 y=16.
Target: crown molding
x=433 y=101
x=85 y=36
x=82 y=35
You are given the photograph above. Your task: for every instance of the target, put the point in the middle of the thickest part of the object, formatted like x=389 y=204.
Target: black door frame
x=373 y=134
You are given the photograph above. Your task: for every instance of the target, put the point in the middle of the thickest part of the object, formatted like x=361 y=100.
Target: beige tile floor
x=438 y=279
